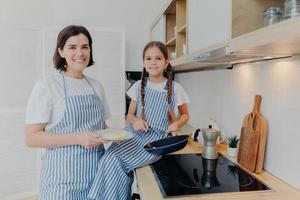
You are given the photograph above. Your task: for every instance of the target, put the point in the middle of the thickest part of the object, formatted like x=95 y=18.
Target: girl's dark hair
x=168 y=73
x=63 y=36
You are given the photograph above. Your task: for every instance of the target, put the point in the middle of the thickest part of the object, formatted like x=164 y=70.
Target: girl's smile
x=155 y=63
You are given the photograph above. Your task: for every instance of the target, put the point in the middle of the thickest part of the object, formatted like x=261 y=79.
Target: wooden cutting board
x=253 y=139
x=248 y=149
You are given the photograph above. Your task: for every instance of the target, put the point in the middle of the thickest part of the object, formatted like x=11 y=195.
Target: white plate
x=114 y=134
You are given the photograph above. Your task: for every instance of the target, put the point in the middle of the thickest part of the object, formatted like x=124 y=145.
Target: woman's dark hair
x=63 y=36
x=168 y=73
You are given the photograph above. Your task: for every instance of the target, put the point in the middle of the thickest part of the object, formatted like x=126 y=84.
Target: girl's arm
x=182 y=119
x=36 y=136
x=138 y=124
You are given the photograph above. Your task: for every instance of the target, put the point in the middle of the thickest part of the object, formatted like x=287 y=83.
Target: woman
x=63 y=113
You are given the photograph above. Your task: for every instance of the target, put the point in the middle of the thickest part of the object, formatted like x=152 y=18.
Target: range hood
x=219 y=58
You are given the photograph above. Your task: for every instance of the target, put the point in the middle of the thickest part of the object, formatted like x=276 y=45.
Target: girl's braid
x=143 y=84
x=170 y=78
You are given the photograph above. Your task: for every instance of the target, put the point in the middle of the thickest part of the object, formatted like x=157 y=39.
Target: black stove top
x=188 y=174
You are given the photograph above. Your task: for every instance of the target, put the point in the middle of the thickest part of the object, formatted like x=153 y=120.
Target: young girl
x=63 y=113
x=151 y=113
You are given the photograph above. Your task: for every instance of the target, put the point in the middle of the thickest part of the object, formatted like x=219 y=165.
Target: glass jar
x=291 y=8
x=272 y=15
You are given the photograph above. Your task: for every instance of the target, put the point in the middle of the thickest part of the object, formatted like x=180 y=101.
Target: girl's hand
x=140 y=125
x=173 y=126
x=89 y=139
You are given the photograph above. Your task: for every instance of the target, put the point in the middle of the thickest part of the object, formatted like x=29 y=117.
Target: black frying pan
x=167 y=145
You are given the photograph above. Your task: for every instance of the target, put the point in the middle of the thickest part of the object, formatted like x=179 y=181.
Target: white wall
x=20 y=54
x=228 y=95
x=135 y=16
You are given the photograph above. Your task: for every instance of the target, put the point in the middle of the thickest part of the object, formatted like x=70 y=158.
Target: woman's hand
x=89 y=139
x=141 y=125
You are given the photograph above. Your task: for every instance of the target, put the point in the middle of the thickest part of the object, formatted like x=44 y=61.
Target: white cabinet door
x=158 y=31
x=209 y=22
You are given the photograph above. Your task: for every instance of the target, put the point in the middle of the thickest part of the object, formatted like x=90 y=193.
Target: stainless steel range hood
x=221 y=57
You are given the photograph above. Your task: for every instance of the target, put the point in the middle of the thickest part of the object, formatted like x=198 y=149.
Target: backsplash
x=228 y=95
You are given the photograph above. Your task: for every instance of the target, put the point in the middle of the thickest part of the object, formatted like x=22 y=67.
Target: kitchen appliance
x=191 y=174
x=220 y=58
x=167 y=145
x=210 y=137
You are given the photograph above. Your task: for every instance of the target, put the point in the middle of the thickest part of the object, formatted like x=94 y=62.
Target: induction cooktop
x=189 y=174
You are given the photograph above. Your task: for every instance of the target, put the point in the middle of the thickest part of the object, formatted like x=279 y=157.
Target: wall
x=135 y=16
x=20 y=52
x=228 y=95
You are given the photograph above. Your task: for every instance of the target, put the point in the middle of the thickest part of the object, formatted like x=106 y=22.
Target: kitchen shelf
x=271 y=42
x=171 y=42
x=176 y=23
x=247 y=16
x=182 y=29
x=280 y=38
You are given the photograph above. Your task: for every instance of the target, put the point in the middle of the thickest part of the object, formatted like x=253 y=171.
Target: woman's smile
x=77 y=55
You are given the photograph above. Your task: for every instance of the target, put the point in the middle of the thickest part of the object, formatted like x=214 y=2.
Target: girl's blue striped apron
x=114 y=177
x=68 y=172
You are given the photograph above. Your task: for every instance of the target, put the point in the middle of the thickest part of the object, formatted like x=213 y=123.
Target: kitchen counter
x=149 y=190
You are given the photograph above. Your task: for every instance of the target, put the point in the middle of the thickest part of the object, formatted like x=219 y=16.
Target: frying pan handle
x=196 y=134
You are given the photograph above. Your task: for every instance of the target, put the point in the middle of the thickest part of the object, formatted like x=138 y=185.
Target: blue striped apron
x=68 y=172
x=114 y=178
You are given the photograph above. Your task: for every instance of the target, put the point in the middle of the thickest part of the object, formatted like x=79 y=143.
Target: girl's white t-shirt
x=46 y=103
x=179 y=93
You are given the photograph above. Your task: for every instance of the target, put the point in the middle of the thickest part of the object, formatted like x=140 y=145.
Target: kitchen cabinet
x=209 y=23
x=175 y=28
x=234 y=28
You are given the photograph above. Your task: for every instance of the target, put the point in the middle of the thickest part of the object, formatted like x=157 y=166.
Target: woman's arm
x=36 y=136
x=138 y=124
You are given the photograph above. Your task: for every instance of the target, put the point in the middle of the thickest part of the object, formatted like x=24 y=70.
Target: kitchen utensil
x=247 y=155
x=210 y=137
x=167 y=145
x=253 y=139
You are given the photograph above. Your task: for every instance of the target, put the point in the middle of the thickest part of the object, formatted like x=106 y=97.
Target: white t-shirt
x=179 y=93
x=46 y=103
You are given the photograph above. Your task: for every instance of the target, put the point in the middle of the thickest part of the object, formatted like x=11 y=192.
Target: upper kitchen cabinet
x=175 y=28
x=209 y=23
x=209 y=33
